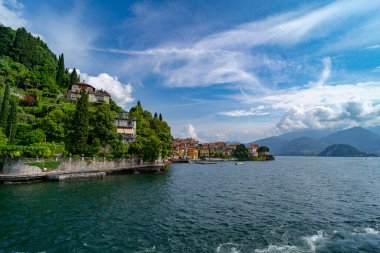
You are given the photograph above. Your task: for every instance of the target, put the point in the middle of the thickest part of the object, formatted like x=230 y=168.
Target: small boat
x=239 y=163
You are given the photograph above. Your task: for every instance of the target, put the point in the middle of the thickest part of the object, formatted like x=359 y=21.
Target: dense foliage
x=153 y=135
x=37 y=120
x=241 y=153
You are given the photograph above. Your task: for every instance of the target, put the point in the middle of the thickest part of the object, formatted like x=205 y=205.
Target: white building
x=94 y=96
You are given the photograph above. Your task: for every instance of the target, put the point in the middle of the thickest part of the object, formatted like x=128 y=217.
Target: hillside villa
x=94 y=96
x=125 y=125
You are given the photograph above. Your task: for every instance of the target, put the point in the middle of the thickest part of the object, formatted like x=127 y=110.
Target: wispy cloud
x=11 y=14
x=254 y=111
x=225 y=57
x=325 y=73
x=373 y=47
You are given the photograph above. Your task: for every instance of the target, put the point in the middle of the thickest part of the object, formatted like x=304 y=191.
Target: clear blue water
x=293 y=204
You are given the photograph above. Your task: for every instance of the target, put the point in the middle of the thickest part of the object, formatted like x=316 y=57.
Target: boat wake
x=361 y=240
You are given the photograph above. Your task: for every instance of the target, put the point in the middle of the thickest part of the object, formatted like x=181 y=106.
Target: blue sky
x=222 y=70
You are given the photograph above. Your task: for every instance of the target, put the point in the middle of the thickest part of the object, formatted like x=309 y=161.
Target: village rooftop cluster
x=190 y=148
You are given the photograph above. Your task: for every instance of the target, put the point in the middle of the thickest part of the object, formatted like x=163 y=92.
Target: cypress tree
x=4 y=111
x=155 y=115
x=12 y=121
x=80 y=125
x=60 y=70
x=160 y=117
x=74 y=77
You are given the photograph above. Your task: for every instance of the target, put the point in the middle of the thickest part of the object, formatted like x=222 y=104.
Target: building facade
x=126 y=127
x=94 y=96
x=252 y=149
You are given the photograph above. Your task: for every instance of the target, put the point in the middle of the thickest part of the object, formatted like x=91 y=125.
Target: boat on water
x=239 y=163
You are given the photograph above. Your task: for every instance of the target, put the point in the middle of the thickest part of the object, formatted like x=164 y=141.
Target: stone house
x=94 y=96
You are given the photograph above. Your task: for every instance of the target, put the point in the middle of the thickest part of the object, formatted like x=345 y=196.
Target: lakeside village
x=52 y=123
x=190 y=150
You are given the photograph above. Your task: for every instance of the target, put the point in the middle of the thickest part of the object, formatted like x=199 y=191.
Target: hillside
x=303 y=146
x=357 y=137
x=275 y=144
x=343 y=150
x=37 y=118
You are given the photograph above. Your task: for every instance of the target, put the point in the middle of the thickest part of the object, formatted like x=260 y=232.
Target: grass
x=49 y=165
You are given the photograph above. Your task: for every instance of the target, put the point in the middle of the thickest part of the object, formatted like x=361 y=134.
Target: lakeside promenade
x=21 y=171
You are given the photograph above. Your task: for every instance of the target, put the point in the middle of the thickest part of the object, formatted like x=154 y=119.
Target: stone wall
x=81 y=165
x=20 y=169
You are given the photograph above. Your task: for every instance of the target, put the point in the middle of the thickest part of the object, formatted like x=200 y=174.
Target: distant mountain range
x=343 y=150
x=312 y=143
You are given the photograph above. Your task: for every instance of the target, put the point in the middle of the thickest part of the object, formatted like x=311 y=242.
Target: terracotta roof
x=84 y=84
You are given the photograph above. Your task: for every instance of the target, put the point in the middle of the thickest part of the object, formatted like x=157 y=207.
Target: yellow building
x=204 y=152
x=193 y=153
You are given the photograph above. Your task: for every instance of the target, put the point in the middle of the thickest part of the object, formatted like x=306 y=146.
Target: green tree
x=262 y=150
x=5 y=108
x=119 y=149
x=160 y=117
x=74 y=77
x=80 y=126
x=60 y=71
x=103 y=126
x=6 y=38
x=241 y=153
x=151 y=148
x=12 y=121
x=3 y=138
x=33 y=137
x=53 y=125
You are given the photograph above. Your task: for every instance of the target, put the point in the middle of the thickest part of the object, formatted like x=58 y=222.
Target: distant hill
x=233 y=142
x=275 y=144
x=314 y=141
x=303 y=146
x=343 y=150
x=357 y=137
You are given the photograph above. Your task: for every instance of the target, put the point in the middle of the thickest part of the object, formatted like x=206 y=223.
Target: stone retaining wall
x=83 y=165
x=20 y=169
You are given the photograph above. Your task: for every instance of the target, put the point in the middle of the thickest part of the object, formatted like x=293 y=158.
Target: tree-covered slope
x=36 y=118
x=343 y=150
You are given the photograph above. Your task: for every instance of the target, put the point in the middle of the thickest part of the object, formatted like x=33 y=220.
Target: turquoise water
x=293 y=204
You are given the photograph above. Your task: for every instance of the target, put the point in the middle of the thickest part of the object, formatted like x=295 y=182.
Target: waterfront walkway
x=80 y=170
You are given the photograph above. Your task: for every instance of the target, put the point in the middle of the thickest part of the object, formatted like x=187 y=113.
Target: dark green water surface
x=293 y=204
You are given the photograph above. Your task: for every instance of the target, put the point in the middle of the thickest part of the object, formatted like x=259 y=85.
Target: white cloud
x=254 y=111
x=120 y=93
x=11 y=14
x=190 y=132
x=36 y=35
x=356 y=111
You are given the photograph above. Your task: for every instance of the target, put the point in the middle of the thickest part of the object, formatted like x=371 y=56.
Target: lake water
x=293 y=204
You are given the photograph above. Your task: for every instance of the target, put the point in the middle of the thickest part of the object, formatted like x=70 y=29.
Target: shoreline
x=58 y=175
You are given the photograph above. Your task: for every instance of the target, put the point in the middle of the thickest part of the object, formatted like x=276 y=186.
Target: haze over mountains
x=311 y=143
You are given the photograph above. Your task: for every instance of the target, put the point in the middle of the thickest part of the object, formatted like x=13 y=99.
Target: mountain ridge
x=357 y=137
